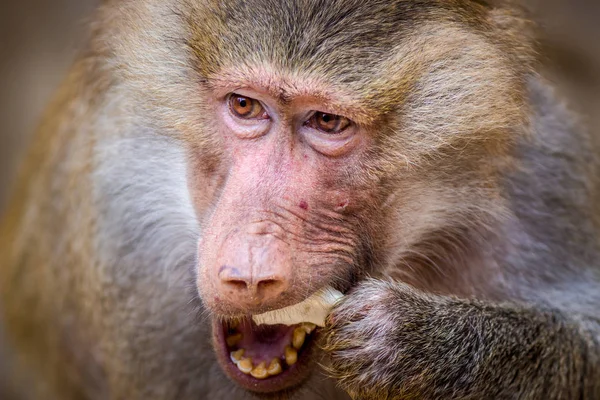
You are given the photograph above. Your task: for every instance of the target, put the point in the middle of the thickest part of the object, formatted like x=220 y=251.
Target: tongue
x=264 y=342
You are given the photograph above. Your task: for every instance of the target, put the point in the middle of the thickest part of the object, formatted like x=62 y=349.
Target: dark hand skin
x=389 y=341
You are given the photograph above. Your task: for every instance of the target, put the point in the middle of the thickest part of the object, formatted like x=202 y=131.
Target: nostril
x=232 y=277
x=267 y=286
x=236 y=284
x=272 y=286
x=240 y=282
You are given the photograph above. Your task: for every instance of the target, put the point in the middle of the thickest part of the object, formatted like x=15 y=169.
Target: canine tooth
x=274 y=367
x=298 y=338
x=236 y=356
x=291 y=355
x=308 y=327
x=232 y=340
x=245 y=365
x=260 y=371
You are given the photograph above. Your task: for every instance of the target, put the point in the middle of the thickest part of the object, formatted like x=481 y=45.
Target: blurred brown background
x=39 y=39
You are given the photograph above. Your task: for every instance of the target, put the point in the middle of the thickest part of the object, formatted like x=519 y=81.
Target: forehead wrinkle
x=278 y=86
x=288 y=86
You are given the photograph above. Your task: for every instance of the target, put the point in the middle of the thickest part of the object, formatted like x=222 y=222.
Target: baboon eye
x=328 y=123
x=246 y=107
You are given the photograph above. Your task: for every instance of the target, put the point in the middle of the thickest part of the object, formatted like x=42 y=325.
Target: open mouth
x=272 y=351
x=264 y=358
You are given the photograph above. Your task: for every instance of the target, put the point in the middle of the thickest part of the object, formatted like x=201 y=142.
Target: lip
x=287 y=380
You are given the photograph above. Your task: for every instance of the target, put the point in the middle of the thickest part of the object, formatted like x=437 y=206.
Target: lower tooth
x=245 y=365
x=298 y=338
x=274 y=367
x=260 y=371
x=291 y=355
x=236 y=356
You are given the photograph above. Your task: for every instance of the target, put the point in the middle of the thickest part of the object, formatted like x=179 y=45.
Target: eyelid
x=332 y=145
x=312 y=115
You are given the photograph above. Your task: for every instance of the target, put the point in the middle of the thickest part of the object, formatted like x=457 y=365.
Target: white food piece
x=314 y=309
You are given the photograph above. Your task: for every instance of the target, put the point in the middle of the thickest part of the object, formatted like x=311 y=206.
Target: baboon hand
x=388 y=340
x=379 y=339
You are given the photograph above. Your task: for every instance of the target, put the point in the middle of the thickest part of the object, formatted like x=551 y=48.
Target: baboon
x=208 y=161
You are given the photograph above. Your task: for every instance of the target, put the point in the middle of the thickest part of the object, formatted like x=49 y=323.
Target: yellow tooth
x=236 y=356
x=308 y=327
x=234 y=323
x=291 y=355
x=260 y=371
x=274 y=367
x=245 y=365
x=232 y=340
x=298 y=338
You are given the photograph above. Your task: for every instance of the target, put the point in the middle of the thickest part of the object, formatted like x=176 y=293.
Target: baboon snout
x=251 y=285
x=250 y=272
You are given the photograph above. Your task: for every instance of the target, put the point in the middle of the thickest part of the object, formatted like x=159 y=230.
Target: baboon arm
x=389 y=341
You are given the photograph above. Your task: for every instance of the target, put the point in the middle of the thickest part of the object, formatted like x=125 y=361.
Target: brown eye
x=246 y=107
x=328 y=123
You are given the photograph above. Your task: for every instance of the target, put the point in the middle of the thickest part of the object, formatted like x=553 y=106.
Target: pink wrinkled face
x=285 y=221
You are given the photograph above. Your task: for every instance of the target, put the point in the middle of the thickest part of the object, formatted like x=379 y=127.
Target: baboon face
x=329 y=138
x=291 y=215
